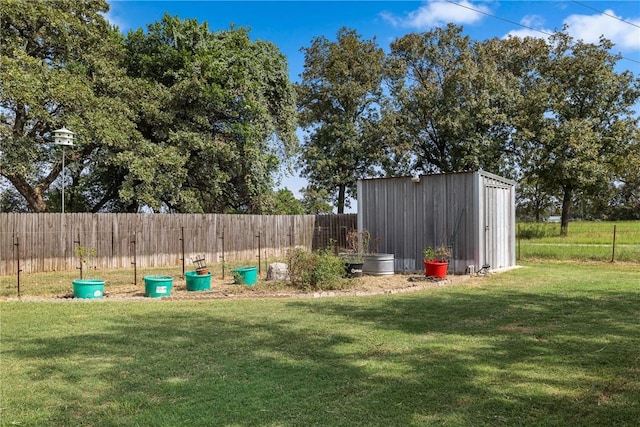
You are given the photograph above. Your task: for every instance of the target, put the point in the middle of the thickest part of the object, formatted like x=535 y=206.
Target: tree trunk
x=566 y=208
x=32 y=195
x=341 y=196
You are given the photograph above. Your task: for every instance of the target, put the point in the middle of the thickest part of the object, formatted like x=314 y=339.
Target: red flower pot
x=436 y=269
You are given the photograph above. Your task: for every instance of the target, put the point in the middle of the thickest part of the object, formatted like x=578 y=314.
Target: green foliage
x=320 y=270
x=338 y=99
x=231 y=112
x=60 y=67
x=535 y=230
x=11 y=201
x=177 y=118
x=556 y=116
x=439 y=253
x=300 y=262
x=285 y=203
x=583 y=122
x=316 y=201
x=451 y=103
x=180 y=118
x=85 y=254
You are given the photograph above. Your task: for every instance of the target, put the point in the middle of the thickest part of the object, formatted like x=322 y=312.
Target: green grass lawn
x=551 y=344
x=586 y=240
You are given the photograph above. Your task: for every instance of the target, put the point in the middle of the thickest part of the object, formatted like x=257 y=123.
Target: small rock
x=278 y=271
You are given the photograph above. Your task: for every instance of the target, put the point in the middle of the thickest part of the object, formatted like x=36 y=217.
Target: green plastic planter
x=197 y=282
x=88 y=288
x=157 y=286
x=245 y=275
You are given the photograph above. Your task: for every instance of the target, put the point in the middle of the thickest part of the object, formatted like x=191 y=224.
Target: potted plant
x=375 y=263
x=87 y=288
x=364 y=249
x=245 y=275
x=358 y=243
x=436 y=261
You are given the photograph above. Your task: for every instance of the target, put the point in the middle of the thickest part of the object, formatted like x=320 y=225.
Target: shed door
x=496 y=238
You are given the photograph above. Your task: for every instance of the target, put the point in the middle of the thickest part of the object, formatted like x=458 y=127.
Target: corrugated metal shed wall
x=446 y=209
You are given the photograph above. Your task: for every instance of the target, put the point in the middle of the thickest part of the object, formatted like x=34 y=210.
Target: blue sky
x=292 y=25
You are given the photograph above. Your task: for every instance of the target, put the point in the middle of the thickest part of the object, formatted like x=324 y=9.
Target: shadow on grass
x=465 y=357
x=519 y=356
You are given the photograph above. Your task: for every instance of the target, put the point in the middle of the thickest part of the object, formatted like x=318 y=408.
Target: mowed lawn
x=587 y=240
x=554 y=343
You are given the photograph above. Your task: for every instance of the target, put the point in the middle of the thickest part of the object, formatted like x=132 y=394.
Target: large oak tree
x=339 y=103
x=583 y=123
x=178 y=118
x=452 y=104
x=230 y=112
x=59 y=64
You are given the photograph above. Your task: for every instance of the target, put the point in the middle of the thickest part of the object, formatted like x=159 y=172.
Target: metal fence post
x=613 y=250
x=17 y=256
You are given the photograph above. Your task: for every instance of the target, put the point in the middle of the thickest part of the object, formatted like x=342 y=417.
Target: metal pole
x=259 y=250
x=78 y=252
x=135 y=264
x=613 y=251
x=17 y=245
x=519 y=240
x=63 y=177
x=223 y=262
x=182 y=244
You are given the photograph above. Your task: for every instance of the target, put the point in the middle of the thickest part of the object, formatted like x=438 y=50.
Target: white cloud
x=526 y=32
x=534 y=24
x=589 y=28
x=438 y=12
x=534 y=21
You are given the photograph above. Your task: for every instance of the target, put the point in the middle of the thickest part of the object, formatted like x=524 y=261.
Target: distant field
x=585 y=241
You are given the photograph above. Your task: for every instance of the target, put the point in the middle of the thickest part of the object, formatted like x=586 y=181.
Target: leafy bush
x=440 y=253
x=321 y=270
x=299 y=262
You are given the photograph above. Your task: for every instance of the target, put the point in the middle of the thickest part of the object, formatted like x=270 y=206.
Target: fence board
x=48 y=242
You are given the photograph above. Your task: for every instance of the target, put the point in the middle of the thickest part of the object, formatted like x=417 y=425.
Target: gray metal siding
x=448 y=209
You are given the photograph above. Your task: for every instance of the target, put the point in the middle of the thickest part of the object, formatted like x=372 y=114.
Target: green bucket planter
x=157 y=286
x=245 y=275
x=197 y=282
x=88 y=288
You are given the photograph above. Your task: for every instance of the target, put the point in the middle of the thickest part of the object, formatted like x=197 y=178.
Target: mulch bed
x=225 y=289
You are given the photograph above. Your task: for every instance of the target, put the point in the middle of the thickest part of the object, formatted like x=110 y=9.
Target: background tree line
x=553 y=115
x=184 y=119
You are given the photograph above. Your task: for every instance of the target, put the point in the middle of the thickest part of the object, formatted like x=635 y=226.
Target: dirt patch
x=226 y=289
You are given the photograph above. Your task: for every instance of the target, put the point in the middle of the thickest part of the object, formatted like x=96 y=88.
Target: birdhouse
x=63 y=137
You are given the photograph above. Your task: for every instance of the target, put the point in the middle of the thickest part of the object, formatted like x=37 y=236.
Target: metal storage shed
x=473 y=213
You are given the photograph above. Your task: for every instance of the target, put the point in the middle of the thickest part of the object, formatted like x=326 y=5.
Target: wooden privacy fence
x=49 y=242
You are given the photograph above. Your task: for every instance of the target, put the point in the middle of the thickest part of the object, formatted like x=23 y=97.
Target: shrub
x=321 y=270
x=300 y=264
